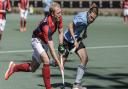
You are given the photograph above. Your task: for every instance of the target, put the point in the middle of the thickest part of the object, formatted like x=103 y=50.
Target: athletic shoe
x=10 y=70
x=78 y=86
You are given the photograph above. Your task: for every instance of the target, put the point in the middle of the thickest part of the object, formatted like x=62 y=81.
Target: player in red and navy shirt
x=4 y=5
x=124 y=5
x=41 y=42
x=23 y=7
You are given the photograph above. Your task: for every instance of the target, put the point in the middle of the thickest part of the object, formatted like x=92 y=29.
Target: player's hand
x=76 y=44
x=9 y=10
x=61 y=67
x=61 y=49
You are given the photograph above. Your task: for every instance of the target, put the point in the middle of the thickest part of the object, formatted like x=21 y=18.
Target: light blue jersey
x=47 y=4
x=80 y=24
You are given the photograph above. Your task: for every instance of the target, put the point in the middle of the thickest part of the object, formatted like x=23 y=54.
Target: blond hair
x=52 y=7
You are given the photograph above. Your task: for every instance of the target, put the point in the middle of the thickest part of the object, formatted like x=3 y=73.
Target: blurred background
x=107 y=7
x=107 y=47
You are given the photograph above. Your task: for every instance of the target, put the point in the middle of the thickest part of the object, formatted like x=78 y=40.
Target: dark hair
x=94 y=9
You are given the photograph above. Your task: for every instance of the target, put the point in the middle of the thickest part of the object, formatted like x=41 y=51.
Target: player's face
x=91 y=17
x=57 y=12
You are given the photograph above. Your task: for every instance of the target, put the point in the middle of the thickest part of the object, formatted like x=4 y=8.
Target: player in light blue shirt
x=73 y=40
x=80 y=24
x=47 y=4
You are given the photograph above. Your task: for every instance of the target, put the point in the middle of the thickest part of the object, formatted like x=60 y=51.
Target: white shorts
x=38 y=48
x=23 y=13
x=125 y=12
x=2 y=24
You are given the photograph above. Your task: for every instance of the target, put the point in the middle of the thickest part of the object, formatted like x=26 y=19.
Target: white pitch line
x=16 y=51
x=98 y=47
x=103 y=47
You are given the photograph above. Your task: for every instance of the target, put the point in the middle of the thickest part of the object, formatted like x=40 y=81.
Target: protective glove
x=61 y=49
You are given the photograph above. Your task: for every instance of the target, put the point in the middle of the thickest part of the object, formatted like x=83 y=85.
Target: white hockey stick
x=62 y=71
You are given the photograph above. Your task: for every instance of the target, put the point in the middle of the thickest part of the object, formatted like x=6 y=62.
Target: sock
x=46 y=75
x=22 y=67
x=80 y=73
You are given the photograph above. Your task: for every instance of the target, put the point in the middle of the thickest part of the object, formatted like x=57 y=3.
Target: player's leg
x=82 y=53
x=21 y=24
x=46 y=70
x=127 y=19
x=24 y=67
x=25 y=22
x=125 y=16
x=21 y=20
x=16 y=68
x=2 y=27
x=40 y=51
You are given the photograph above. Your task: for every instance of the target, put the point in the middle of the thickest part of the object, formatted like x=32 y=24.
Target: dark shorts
x=69 y=46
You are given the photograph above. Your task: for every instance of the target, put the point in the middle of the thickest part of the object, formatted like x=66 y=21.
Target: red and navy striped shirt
x=47 y=27
x=4 y=5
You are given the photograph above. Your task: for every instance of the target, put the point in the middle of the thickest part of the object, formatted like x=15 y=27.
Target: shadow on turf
x=59 y=85
x=17 y=29
x=115 y=78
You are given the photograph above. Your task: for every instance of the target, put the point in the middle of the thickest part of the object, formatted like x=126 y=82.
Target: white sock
x=80 y=73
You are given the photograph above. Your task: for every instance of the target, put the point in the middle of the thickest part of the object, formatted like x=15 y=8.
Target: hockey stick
x=62 y=72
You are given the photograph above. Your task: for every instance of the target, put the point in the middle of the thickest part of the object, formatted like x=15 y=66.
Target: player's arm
x=8 y=6
x=121 y=4
x=53 y=53
x=61 y=36
x=27 y=5
x=52 y=50
x=19 y=5
x=60 y=31
x=71 y=30
x=2 y=11
x=51 y=45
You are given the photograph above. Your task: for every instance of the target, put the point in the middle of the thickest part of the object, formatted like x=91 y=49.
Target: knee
x=85 y=60
x=33 y=70
x=45 y=59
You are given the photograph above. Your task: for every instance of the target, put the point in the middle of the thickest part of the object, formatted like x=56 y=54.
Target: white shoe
x=78 y=86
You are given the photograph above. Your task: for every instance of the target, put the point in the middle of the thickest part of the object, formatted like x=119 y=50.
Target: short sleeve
x=78 y=19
